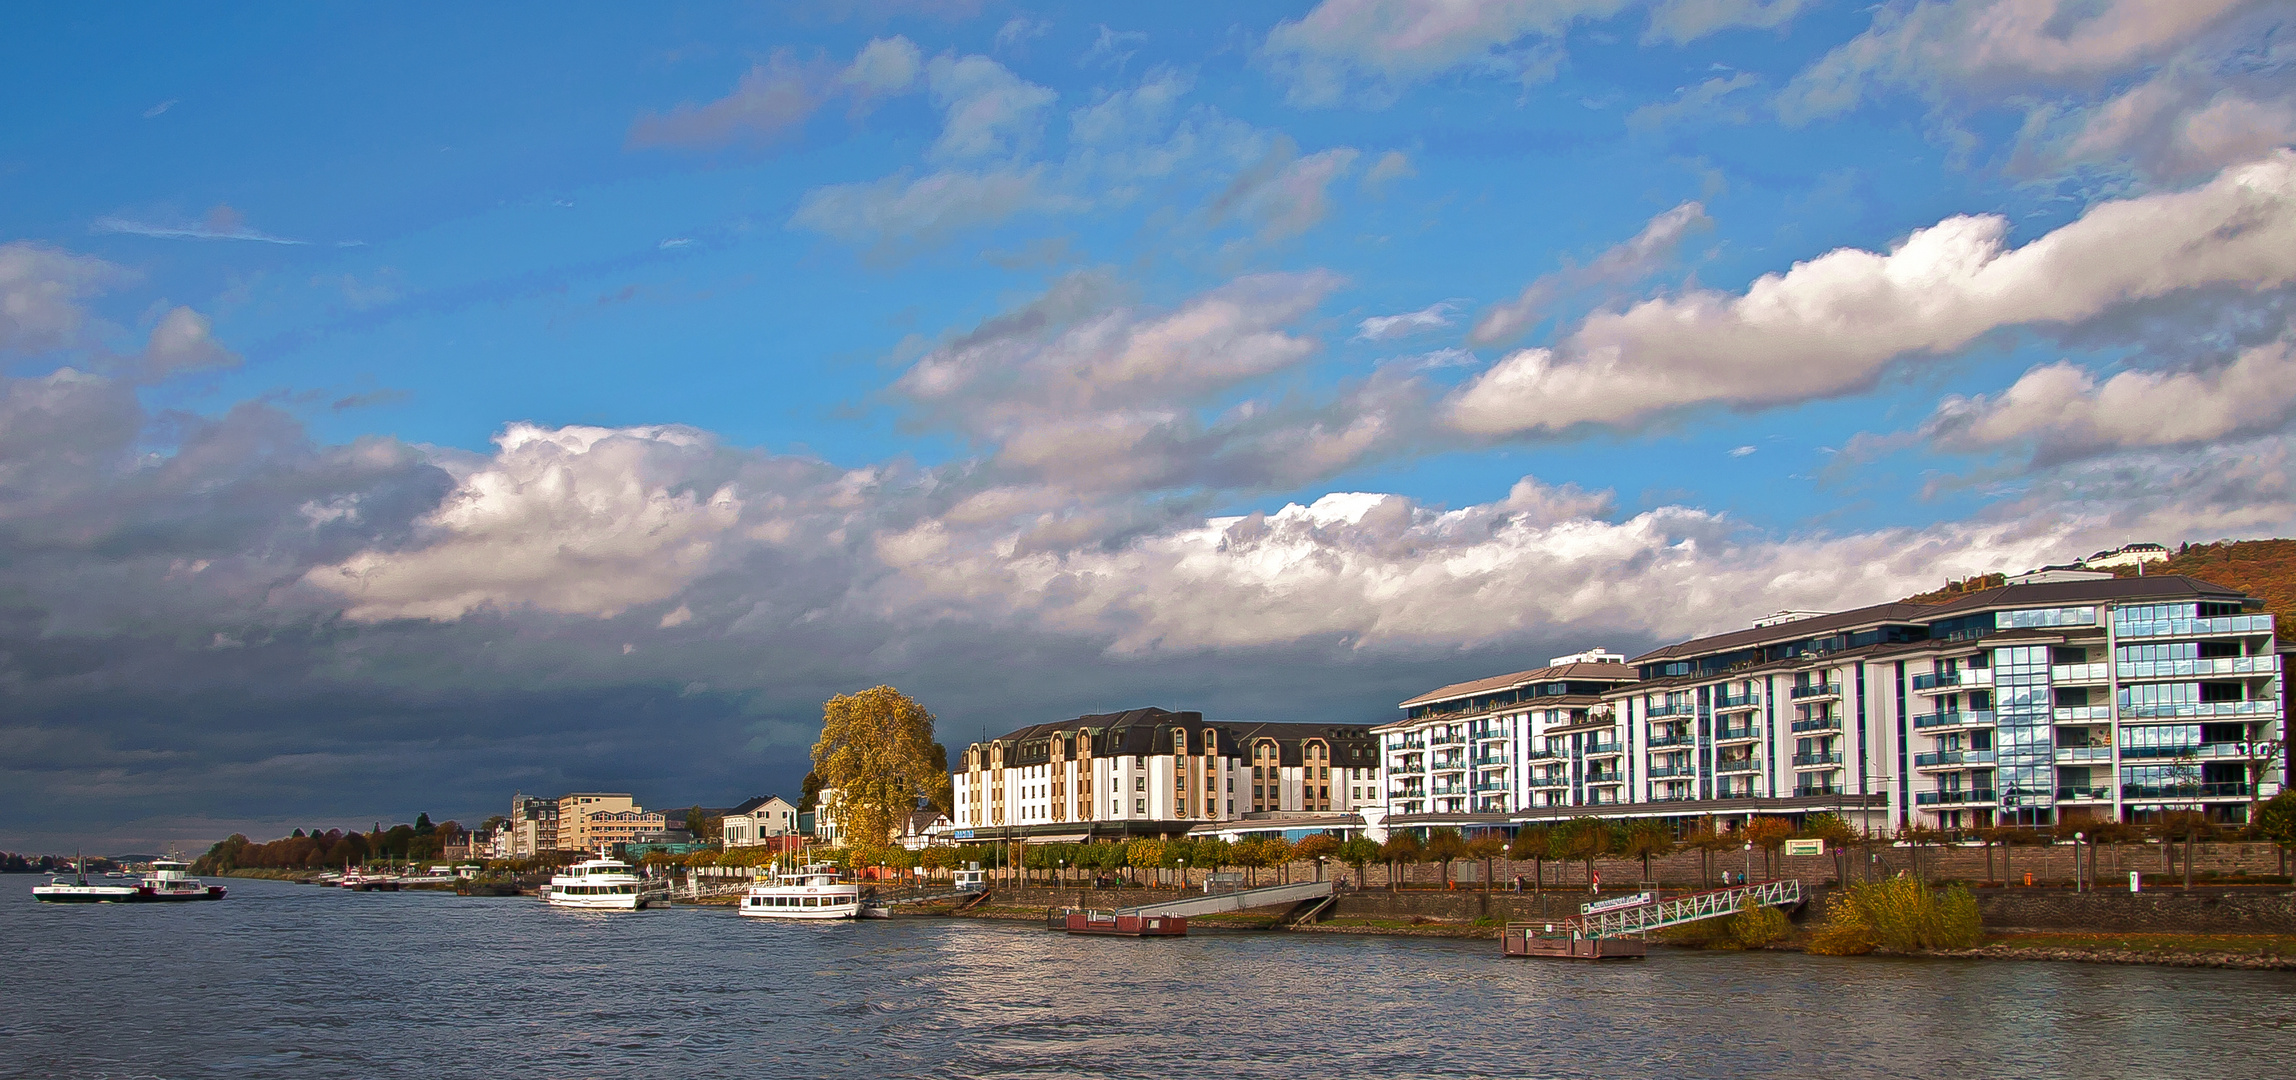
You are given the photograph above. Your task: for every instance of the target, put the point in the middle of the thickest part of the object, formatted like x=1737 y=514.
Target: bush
x=1753 y=927
x=1900 y=914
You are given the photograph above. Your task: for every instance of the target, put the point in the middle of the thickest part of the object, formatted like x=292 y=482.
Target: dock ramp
x=1214 y=903
x=1689 y=908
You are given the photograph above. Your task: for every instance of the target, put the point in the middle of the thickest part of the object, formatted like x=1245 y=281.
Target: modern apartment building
x=2061 y=696
x=1149 y=772
x=1479 y=747
x=575 y=814
x=533 y=827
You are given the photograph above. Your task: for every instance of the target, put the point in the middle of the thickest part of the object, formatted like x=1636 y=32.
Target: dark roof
x=2157 y=588
x=1558 y=673
x=752 y=804
x=1149 y=731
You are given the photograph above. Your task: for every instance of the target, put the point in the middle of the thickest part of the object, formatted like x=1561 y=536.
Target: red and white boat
x=169 y=880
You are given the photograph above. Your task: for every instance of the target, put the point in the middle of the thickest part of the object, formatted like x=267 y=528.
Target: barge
x=1117 y=923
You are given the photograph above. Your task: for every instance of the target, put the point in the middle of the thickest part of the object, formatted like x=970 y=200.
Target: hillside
x=2265 y=568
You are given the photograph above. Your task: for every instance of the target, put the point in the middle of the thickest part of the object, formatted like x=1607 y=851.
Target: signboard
x=1616 y=903
x=1805 y=847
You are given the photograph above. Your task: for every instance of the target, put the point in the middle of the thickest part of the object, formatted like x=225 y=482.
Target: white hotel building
x=2063 y=696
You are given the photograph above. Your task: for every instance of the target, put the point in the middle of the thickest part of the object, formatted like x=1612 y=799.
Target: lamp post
x=2077 y=879
x=1749 y=874
x=1183 y=874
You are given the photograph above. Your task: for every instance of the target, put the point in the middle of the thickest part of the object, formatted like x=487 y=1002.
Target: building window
x=1139 y=783
x=1139 y=806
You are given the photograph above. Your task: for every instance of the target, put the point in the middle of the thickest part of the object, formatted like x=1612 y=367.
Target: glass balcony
x=1660 y=741
x=1672 y=772
x=1490 y=785
x=1955 y=797
x=1679 y=708
x=1446 y=740
x=1807 y=760
x=1737 y=701
x=1550 y=781
x=2184 y=669
x=1947 y=680
x=2180 y=709
x=2074 y=755
x=2185 y=791
x=2091 y=792
x=1606 y=778
x=1819 y=723
x=1740 y=765
x=1953 y=757
x=1541 y=754
x=1489 y=760
x=2077 y=673
x=1817 y=690
x=1605 y=748
x=1809 y=790
x=1726 y=734
x=2189 y=750
x=1973 y=718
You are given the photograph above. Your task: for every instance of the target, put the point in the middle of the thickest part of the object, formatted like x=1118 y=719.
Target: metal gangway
x=1689 y=908
x=1213 y=903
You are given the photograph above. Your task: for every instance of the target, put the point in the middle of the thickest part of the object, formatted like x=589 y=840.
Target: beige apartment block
x=576 y=830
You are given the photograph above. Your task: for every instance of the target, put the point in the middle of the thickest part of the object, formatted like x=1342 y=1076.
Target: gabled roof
x=1558 y=673
x=750 y=806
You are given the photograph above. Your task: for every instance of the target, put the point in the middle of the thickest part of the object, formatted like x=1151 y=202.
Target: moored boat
x=808 y=892
x=598 y=885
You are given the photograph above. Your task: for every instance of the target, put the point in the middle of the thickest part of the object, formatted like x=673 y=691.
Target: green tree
x=876 y=751
x=1585 y=839
x=1145 y=854
x=809 y=795
x=2276 y=823
x=1532 y=845
x=1486 y=847
x=1401 y=849
x=1445 y=846
x=1769 y=834
x=1645 y=840
x=1838 y=837
x=1359 y=852
x=423 y=826
x=1709 y=840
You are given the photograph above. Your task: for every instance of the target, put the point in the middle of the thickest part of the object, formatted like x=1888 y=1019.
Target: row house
x=2061 y=696
x=1150 y=772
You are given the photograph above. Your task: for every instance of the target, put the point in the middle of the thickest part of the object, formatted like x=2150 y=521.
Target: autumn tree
x=1359 y=852
x=1769 y=834
x=1401 y=849
x=1647 y=839
x=1532 y=845
x=876 y=752
x=2276 y=823
x=1445 y=846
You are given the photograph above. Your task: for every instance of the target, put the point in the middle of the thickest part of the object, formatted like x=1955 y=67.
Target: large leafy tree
x=2276 y=823
x=876 y=751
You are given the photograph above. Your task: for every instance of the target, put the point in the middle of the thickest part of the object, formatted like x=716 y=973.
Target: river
x=295 y=981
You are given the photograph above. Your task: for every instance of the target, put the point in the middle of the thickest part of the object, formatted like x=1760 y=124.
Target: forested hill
x=2265 y=568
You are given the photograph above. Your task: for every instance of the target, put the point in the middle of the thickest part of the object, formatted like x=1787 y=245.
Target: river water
x=295 y=981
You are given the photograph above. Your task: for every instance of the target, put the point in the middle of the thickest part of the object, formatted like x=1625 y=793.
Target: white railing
x=1685 y=909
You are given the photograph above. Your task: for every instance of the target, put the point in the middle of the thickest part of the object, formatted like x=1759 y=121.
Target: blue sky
x=695 y=362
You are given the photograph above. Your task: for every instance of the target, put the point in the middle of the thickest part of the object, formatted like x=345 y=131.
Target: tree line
x=313 y=849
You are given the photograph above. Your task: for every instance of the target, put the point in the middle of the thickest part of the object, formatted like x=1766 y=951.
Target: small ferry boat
x=598 y=885
x=363 y=881
x=76 y=890
x=808 y=892
x=170 y=879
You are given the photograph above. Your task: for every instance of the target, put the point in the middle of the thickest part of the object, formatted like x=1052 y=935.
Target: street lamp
x=1749 y=874
x=1183 y=874
x=2078 y=881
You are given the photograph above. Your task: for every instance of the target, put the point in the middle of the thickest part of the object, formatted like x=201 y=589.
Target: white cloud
x=1434 y=316
x=926 y=209
x=884 y=66
x=1707 y=102
x=183 y=342
x=1742 y=451
x=1639 y=257
x=1285 y=194
x=42 y=292
x=2181 y=122
x=1833 y=325
x=2063 y=410
x=1392 y=166
x=221 y=223
x=770 y=102
x=1947 y=48
x=1372 y=48
x=572 y=521
x=988 y=111
x=1683 y=21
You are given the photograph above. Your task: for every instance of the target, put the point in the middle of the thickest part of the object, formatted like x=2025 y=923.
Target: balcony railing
x=1953 y=757
x=1541 y=754
x=2213 y=665
x=2078 y=673
x=1447 y=789
x=1834 y=758
x=2074 y=755
x=1672 y=772
x=2180 y=709
x=1738 y=701
x=1605 y=748
x=1446 y=740
x=1606 y=778
x=1809 y=790
x=1954 y=798
x=2195 y=750
x=1491 y=785
x=1683 y=796
x=1678 y=708
x=2226 y=790
x=1489 y=760
x=2091 y=792
x=1819 y=723
x=1550 y=781
x=1725 y=734
x=1973 y=718
x=1947 y=680
x=1739 y=765
x=1661 y=741
x=1817 y=690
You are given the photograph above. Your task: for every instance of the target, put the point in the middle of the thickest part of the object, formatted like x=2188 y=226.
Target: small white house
x=758 y=820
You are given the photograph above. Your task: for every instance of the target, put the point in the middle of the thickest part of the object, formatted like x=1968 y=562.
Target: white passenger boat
x=76 y=890
x=808 y=892
x=598 y=885
x=171 y=879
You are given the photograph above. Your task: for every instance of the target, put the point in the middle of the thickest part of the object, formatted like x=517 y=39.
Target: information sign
x=1805 y=847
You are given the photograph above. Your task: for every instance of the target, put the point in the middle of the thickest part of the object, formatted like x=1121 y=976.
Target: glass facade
x=2024 y=744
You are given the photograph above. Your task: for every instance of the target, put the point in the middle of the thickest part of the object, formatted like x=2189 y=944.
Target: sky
x=400 y=408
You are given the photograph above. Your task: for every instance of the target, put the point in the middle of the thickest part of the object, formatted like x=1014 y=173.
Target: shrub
x=1753 y=927
x=1900 y=914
